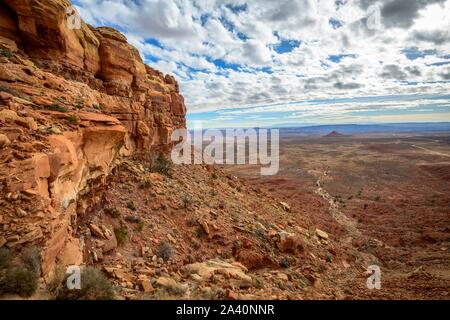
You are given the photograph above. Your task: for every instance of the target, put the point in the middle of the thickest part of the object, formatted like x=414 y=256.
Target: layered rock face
x=73 y=104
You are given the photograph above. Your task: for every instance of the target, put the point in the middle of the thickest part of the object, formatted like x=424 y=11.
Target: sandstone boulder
x=4 y=140
x=321 y=234
x=206 y=270
x=289 y=242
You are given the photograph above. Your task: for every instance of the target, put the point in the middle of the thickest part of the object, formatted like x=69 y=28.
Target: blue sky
x=293 y=62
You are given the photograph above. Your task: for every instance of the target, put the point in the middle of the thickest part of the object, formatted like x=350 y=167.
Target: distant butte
x=334 y=134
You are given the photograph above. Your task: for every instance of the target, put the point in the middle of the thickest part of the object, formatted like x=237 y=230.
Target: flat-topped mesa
x=73 y=103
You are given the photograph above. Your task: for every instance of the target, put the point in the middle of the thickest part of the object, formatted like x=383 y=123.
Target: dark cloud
x=353 y=70
x=279 y=89
x=399 y=13
x=285 y=10
x=347 y=86
x=436 y=37
x=414 y=71
x=393 y=71
x=315 y=83
x=293 y=13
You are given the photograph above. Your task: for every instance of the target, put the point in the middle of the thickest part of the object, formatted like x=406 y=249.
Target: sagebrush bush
x=18 y=280
x=164 y=251
x=72 y=119
x=100 y=106
x=19 y=276
x=94 y=286
x=57 y=107
x=162 y=165
x=57 y=282
x=121 y=233
x=132 y=219
x=131 y=205
x=187 y=200
x=284 y=263
x=146 y=184
x=6 y=53
x=113 y=212
x=140 y=226
x=31 y=258
x=192 y=222
x=5 y=258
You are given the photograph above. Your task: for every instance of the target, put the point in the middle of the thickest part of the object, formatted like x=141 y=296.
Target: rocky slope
x=201 y=233
x=73 y=104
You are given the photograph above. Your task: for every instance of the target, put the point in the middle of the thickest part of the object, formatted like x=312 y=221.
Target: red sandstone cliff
x=73 y=103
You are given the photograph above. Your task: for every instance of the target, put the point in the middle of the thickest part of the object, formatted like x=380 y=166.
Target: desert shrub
x=187 y=200
x=192 y=222
x=132 y=219
x=31 y=258
x=222 y=204
x=99 y=106
x=284 y=263
x=113 y=212
x=94 y=286
x=19 y=277
x=72 y=119
x=140 y=226
x=261 y=234
x=164 y=251
x=131 y=206
x=57 y=282
x=79 y=103
x=6 y=53
x=214 y=175
x=200 y=232
x=57 y=107
x=121 y=233
x=5 y=258
x=162 y=165
x=60 y=99
x=18 y=280
x=258 y=283
x=146 y=184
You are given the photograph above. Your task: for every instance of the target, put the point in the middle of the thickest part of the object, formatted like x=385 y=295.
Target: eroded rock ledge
x=73 y=103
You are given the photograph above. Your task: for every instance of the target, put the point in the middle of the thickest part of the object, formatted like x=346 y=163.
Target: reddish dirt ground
x=388 y=204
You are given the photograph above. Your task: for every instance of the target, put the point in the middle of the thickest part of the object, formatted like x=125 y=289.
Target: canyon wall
x=73 y=104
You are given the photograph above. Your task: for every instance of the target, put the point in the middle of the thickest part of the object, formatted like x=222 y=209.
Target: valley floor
x=387 y=199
